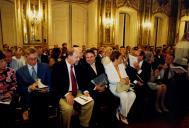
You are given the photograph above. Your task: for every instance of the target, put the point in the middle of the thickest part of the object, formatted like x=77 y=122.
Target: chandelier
x=34 y=11
x=108 y=22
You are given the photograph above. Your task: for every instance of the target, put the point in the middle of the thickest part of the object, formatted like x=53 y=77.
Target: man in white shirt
x=66 y=78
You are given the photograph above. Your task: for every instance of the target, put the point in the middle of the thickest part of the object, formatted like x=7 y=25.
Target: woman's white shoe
x=118 y=115
x=124 y=120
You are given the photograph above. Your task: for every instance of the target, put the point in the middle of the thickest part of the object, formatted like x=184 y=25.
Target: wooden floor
x=167 y=120
x=161 y=121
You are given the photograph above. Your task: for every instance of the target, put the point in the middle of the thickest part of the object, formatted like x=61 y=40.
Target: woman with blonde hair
x=107 y=53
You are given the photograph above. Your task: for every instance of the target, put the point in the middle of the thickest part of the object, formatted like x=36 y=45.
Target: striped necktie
x=34 y=74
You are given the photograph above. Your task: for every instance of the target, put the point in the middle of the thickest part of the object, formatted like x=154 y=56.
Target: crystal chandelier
x=34 y=11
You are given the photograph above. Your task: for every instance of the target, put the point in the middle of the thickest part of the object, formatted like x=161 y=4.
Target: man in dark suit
x=140 y=75
x=32 y=96
x=67 y=83
x=105 y=102
x=92 y=68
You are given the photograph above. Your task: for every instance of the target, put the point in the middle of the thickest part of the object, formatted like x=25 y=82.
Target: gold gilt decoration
x=184 y=8
x=160 y=6
x=129 y=3
x=120 y=3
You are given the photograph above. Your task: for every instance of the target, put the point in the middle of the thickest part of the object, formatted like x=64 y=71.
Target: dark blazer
x=105 y=103
x=146 y=72
x=60 y=78
x=24 y=79
x=144 y=75
x=87 y=69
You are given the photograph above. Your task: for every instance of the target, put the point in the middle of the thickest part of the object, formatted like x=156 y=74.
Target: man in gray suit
x=32 y=95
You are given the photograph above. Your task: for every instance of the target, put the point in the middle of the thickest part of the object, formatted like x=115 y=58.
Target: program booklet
x=132 y=60
x=41 y=85
x=82 y=100
x=5 y=101
x=178 y=69
x=100 y=80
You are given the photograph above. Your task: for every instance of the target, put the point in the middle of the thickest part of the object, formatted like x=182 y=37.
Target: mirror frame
x=34 y=33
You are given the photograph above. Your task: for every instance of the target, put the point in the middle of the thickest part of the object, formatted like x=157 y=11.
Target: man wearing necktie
x=67 y=79
x=33 y=97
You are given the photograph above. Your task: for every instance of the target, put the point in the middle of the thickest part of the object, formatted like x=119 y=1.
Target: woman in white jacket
x=116 y=73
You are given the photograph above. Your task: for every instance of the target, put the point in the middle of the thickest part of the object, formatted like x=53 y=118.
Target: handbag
x=120 y=87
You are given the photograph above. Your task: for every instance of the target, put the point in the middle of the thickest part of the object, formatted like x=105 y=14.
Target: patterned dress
x=7 y=82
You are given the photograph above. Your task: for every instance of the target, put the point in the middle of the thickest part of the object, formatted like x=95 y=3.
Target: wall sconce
x=147 y=25
x=34 y=11
x=108 y=22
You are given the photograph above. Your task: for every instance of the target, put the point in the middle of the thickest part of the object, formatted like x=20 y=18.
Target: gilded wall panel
x=8 y=23
x=184 y=8
x=129 y=3
x=160 y=6
x=107 y=22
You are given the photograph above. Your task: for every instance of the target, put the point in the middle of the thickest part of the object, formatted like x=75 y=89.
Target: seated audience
x=64 y=51
x=116 y=73
x=139 y=75
x=45 y=56
x=67 y=83
x=100 y=54
x=11 y=63
x=166 y=73
x=106 y=58
x=19 y=57
x=7 y=91
x=158 y=59
x=51 y=62
x=33 y=96
x=156 y=84
x=122 y=50
x=56 y=53
x=105 y=103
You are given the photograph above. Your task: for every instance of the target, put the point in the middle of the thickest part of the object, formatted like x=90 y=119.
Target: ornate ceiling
x=79 y=1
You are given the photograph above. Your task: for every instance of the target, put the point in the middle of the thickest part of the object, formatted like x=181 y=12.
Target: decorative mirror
x=108 y=23
x=34 y=21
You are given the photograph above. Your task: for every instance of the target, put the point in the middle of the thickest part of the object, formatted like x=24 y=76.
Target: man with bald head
x=67 y=84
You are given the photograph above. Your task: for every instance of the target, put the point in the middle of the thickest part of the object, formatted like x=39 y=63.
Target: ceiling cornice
x=76 y=1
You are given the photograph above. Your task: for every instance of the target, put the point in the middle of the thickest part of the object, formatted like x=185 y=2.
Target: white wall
x=92 y=24
x=79 y=24
x=131 y=30
x=8 y=23
x=60 y=23
x=163 y=33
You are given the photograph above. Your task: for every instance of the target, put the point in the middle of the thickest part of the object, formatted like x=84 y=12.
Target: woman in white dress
x=116 y=73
